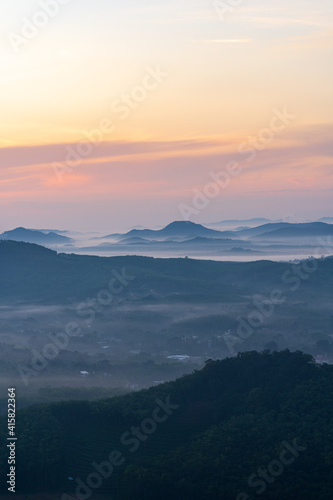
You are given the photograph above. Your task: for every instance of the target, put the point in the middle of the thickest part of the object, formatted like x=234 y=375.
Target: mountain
x=234 y=223
x=134 y=239
x=27 y=270
x=33 y=236
x=265 y=228
x=178 y=229
x=305 y=230
x=168 y=243
x=287 y=230
x=327 y=220
x=192 y=234
x=254 y=423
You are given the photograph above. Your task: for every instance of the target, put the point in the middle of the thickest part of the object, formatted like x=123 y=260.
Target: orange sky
x=171 y=90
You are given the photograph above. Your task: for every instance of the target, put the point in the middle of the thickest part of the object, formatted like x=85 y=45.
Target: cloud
x=322 y=39
x=285 y=13
x=228 y=40
x=279 y=21
x=300 y=159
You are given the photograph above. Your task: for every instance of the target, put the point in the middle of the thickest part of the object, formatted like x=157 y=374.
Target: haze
x=222 y=80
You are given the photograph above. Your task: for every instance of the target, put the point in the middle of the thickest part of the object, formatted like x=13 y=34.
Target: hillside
x=32 y=236
x=164 y=308
x=200 y=437
x=32 y=273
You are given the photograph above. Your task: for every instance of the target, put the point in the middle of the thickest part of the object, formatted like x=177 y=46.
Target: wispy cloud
x=298 y=161
x=286 y=13
x=228 y=40
x=323 y=39
x=279 y=20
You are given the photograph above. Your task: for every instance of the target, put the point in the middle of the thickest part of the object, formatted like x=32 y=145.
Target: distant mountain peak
x=183 y=224
x=183 y=229
x=187 y=222
x=34 y=236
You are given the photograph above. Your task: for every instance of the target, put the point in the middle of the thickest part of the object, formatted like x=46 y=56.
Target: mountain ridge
x=175 y=229
x=222 y=423
x=34 y=236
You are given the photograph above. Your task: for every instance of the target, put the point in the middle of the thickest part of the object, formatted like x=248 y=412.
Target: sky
x=115 y=114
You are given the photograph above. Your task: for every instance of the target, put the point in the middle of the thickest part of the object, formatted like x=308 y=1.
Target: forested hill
x=204 y=436
x=31 y=273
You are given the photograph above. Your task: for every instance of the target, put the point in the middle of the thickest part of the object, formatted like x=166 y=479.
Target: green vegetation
x=228 y=420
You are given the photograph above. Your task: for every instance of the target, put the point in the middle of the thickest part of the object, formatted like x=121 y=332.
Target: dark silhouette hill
x=32 y=273
x=203 y=436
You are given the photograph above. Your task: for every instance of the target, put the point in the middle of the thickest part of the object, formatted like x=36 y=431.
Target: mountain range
x=186 y=230
x=34 y=236
x=181 y=238
x=177 y=229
